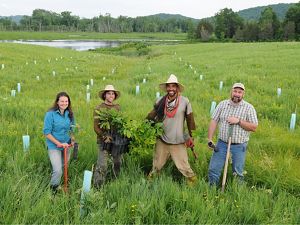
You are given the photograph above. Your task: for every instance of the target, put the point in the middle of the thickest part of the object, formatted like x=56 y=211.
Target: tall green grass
x=270 y=194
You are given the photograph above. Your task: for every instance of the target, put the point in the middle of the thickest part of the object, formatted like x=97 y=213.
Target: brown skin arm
x=190 y=123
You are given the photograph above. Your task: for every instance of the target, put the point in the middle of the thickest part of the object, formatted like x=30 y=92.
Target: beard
x=236 y=99
x=172 y=93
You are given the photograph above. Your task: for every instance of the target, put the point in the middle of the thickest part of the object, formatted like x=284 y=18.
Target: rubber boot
x=191 y=181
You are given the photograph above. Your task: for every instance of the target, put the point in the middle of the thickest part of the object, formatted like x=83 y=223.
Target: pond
x=71 y=44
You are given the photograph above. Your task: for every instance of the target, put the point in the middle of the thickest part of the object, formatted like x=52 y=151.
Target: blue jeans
x=217 y=161
x=57 y=161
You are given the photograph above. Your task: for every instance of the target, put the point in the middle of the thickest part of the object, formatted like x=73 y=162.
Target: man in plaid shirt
x=239 y=114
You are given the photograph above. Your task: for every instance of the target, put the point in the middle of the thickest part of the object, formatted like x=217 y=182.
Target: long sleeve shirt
x=59 y=126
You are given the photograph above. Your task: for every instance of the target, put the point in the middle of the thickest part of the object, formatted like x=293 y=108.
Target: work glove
x=189 y=143
x=107 y=139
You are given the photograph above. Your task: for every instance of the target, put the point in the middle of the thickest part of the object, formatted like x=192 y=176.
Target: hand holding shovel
x=189 y=143
x=212 y=146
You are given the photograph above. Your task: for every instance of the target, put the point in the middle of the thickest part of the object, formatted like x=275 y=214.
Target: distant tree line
x=43 y=20
x=226 y=25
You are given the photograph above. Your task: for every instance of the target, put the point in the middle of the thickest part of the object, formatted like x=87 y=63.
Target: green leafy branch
x=142 y=134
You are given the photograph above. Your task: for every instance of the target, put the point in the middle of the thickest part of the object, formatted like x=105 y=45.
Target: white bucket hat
x=172 y=80
x=109 y=87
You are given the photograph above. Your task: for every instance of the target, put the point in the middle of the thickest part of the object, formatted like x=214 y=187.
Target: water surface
x=70 y=44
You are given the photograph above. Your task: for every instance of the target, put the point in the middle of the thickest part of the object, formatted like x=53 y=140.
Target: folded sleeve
x=48 y=123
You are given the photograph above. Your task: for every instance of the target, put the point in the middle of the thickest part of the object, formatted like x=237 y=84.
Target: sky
x=197 y=9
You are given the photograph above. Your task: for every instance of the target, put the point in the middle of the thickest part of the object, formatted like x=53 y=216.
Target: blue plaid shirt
x=59 y=126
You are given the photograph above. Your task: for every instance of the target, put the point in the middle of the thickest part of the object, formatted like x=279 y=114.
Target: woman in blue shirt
x=57 y=130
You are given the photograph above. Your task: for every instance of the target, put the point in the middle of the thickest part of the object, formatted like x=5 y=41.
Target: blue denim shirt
x=59 y=126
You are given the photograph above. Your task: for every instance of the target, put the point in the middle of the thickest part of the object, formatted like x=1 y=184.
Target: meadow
x=270 y=194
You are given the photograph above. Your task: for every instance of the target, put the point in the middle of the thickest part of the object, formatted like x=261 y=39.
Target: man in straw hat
x=104 y=137
x=172 y=110
x=242 y=118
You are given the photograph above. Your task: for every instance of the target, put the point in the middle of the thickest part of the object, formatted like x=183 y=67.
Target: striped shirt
x=244 y=111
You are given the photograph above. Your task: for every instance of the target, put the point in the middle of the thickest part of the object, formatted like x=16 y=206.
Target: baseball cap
x=238 y=85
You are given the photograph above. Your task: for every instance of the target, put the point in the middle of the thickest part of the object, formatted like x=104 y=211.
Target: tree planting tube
x=293 y=121
x=86 y=187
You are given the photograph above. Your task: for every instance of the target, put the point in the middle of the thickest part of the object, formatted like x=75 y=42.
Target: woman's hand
x=63 y=145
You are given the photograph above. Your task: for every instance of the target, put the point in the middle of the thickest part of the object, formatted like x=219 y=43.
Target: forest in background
x=268 y=23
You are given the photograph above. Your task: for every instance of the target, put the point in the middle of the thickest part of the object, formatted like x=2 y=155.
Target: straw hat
x=172 y=80
x=109 y=87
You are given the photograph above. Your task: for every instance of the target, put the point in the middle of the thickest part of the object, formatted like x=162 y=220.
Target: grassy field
x=89 y=36
x=271 y=193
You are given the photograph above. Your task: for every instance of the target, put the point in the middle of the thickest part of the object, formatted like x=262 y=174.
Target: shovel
x=186 y=138
x=227 y=157
x=65 y=167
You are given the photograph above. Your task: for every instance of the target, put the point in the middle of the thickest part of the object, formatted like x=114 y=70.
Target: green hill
x=254 y=13
x=248 y=14
x=165 y=16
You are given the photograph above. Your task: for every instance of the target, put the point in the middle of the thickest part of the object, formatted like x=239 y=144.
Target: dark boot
x=54 y=189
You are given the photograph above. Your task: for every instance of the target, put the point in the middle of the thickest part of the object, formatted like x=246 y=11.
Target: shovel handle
x=194 y=153
x=226 y=164
x=65 y=166
x=66 y=169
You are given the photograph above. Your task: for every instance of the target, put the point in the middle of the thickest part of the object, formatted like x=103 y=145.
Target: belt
x=231 y=143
